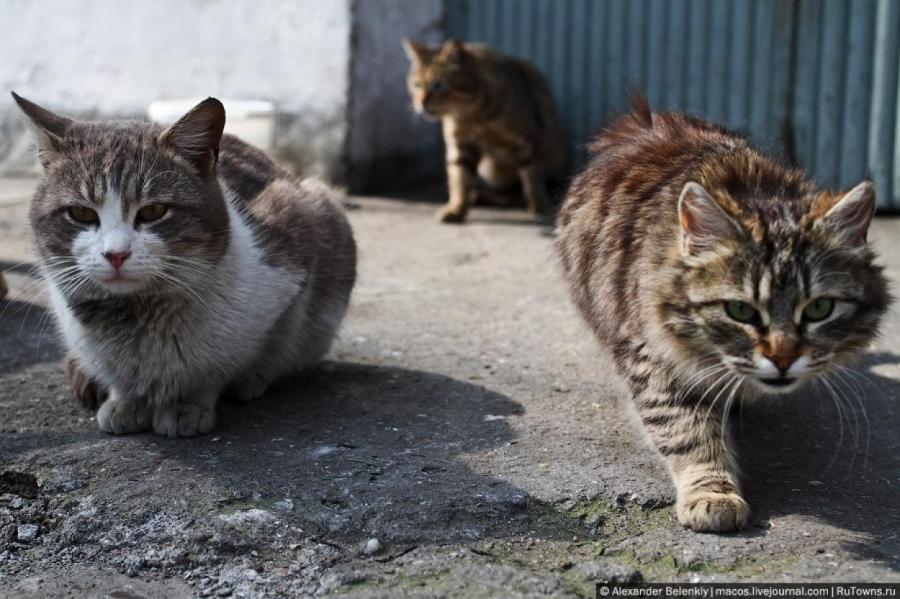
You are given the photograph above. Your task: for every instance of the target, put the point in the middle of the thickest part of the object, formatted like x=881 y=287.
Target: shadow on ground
x=28 y=335
x=802 y=456
x=364 y=450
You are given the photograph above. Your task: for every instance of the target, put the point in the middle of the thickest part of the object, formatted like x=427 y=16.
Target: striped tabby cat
x=713 y=274
x=499 y=120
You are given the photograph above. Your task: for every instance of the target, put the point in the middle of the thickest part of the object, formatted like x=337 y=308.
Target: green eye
x=83 y=215
x=818 y=309
x=740 y=311
x=152 y=212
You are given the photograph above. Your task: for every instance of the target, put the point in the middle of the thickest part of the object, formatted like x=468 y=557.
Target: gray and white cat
x=182 y=264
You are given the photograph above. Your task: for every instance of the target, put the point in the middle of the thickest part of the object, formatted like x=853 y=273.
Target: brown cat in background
x=499 y=120
x=3 y=288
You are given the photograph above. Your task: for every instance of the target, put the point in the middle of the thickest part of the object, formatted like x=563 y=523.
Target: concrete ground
x=465 y=419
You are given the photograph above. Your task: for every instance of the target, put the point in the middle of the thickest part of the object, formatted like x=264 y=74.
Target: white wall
x=110 y=58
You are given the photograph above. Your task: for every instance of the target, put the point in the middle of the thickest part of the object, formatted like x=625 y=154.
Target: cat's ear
x=704 y=223
x=416 y=52
x=852 y=214
x=48 y=129
x=454 y=51
x=196 y=135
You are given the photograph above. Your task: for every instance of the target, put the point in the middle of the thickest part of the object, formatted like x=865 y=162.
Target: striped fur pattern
x=182 y=265
x=713 y=274
x=499 y=121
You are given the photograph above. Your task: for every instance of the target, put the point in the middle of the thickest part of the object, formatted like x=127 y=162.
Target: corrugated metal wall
x=816 y=80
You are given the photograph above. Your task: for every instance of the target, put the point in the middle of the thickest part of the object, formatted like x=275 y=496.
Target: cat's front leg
x=696 y=445
x=187 y=417
x=462 y=162
x=121 y=414
x=459 y=185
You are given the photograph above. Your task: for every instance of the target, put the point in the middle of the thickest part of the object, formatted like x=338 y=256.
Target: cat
x=713 y=274
x=182 y=265
x=4 y=289
x=499 y=121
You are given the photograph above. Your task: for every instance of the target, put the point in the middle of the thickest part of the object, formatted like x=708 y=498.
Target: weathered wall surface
x=105 y=59
x=388 y=144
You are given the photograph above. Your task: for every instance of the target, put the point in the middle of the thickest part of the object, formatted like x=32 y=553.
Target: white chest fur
x=201 y=338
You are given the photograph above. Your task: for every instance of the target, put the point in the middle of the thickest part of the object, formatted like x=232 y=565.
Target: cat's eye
x=83 y=215
x=740 y=311
x=818 y=309
x=152 y=212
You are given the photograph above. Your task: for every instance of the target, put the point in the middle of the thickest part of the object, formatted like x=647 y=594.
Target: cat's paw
x=706 y=511
x=121 y=416
x=451 y=214
x=182 y=419
x=250 y=388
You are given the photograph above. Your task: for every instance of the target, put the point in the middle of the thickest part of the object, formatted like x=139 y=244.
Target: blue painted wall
x=814 y=80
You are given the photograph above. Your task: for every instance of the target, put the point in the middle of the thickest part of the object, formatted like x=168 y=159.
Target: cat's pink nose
x=117 y=259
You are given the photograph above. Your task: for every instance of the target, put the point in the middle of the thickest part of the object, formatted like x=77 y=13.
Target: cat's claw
x=183 y=420
x=123 y=416
x=713 y=512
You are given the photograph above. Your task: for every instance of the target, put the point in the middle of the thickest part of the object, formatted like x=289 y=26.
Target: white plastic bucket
x=251 y=120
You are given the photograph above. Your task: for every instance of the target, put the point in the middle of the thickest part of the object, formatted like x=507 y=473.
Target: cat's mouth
x=120 y=283
x=780 y=384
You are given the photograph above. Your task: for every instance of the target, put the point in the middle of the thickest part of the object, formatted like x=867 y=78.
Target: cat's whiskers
x=149 y=172
x=848 y=404
x=699 y=378
x=726 y=412
x=147 y=181
x=187 y=274
x=842 y=416
x=820 y=384
x=181 y=285
x=854 y=394
x=729 y=382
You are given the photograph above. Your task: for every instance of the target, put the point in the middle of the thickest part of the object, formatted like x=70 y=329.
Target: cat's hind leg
x=300 y=338
x=88 y=391
x=534 y=188
x=695 y=443
x=497 y=174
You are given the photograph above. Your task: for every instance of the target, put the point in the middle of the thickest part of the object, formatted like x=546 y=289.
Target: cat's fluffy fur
x=244 y=278
x=499 y=121
x=696 y=260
